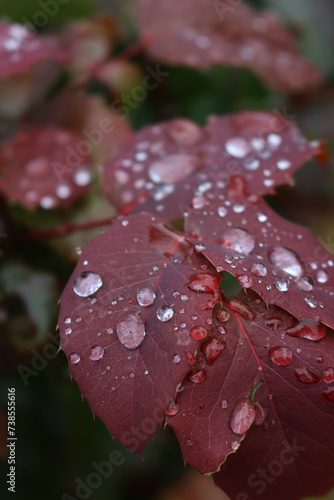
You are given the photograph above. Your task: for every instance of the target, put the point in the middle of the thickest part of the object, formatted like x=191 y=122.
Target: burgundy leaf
x=278 y=259
x=289 y=423
x=165 y=165
x=20 y=48
x=125 y=320
x=202 y=34
x=44 y=167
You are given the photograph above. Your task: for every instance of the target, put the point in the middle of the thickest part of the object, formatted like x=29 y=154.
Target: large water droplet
x=305 y=376
x=282 y=284
x=328 y=375
x=259 y=270
x=241 y=308
x=131 y=331
x=281 y=356
x=237 y=147
x=74 y=358
x=198 y=376
x=145 y=297
x=239 y=240
x=286 y=260
x=198 y=332
x=172 y=168
x=87 y=283
x=328 y=393
x=165 y=313
x=261 y=413
x=308 y=329
x=212 y=349
x=96 y=353
x=304 y=283
x=242 y=417
x=185 y=132
x=223 y=315
x=204 y=283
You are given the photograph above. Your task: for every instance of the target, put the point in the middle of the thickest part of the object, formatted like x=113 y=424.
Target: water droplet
x=131 y=331
x=283 y=164
x=204 y=283
x=67 y=320
x=328 y=393
x=328 y=375
x=37 y=167
x=252 y=164
x=237 y=147
x=198 y=332
x=241 y=308
x=281 y=356
x=87 y=283
x=184 y=298
x=172 y=409
x=308 y=329
x=282 y=284
x=305 y=376
x=82 y=177
x=261 y=413
x=238 y=207
x=223 y=404
x=245 y=280
x=239 y=240
x=311 y=302
x=176 y=359
x=321 y=276
x=198 y=202
x=222 y=211
x=320 y=359
x=259 y=270
x=274 y=140
x=235 y=445
x=68 y=331
x=212 y=349
x=185 y=132
x=145 y=372
x=198 y=376
x=165 y=313
x=63 y=191
x=74 y=358
x=145 y=297
x=96 y=353
x=199 y=248
x=223 y=315
x=172 y=168
x=286 y=260
x=47 y=202
x=304 y=283
x=242 y=417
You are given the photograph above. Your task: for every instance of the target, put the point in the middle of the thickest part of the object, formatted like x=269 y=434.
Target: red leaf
x=125 y=318
x=280 y=260
x=20 y=49
x=203 y=34
x=44 y=167
x=296 y=420
x=166 y=165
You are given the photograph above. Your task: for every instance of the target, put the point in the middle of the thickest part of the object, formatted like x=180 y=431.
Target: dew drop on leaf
x=145 y=297
x=242 y=417
x=172 y=409
x=261 y=413
x=87 y=283
x=198 y=376
x=67 y=320
x=311 y=302
x=328 y=393
x=222 y=211
x=282 y=284
x=74 y=358
x=165 y=313
x=281 y=356
x=212 y=349
x=82 y=177
x=185 y=132
x=308 y=329
x=223 y=315
x=245 y=280
x=96 y=353
x=328 y=375
x=223 y=404
x=259 y=270
x=286 y=260
x=204 y=283
x=176 y=358
x=321 y=276
x=172 y=168
x=305 y=376
x=237 y=147
x=239 y=240
x=304 y=283
x=198 y=332
x=130 y=331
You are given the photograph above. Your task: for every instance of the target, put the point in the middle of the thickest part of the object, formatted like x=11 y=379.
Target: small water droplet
x=198 y=202
x=239 y=240
x=274 y=140
x=223 y=315
x=172 y=409
x=242 y=417
x=223 y=404
x=328 y=393
x=131 y=331
x=185 y=132
x=321 y=276
x=328 y=375
x=238 y=207
x=222 y=211
x=304 y=283
x=252 y=164
x=305 y=376
x=198 y=376
x=311 y=302
x=87 y=283
x=198 y=332
x=68 y=331
x=259 y=270
x=237 y=147
x=320 y=359
x=245 y=280
x=96 y=353
x=47 y=202
x=165 y=313
x=283 y=164
x=261 y=413
x=145 y=297
x=82 y=177
x=74 y=358
x=145 y=372
x=63 y=191
x=282 y=284
x=235 y=445
x=176 y=359
x=281 y=356
x=67 y=320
